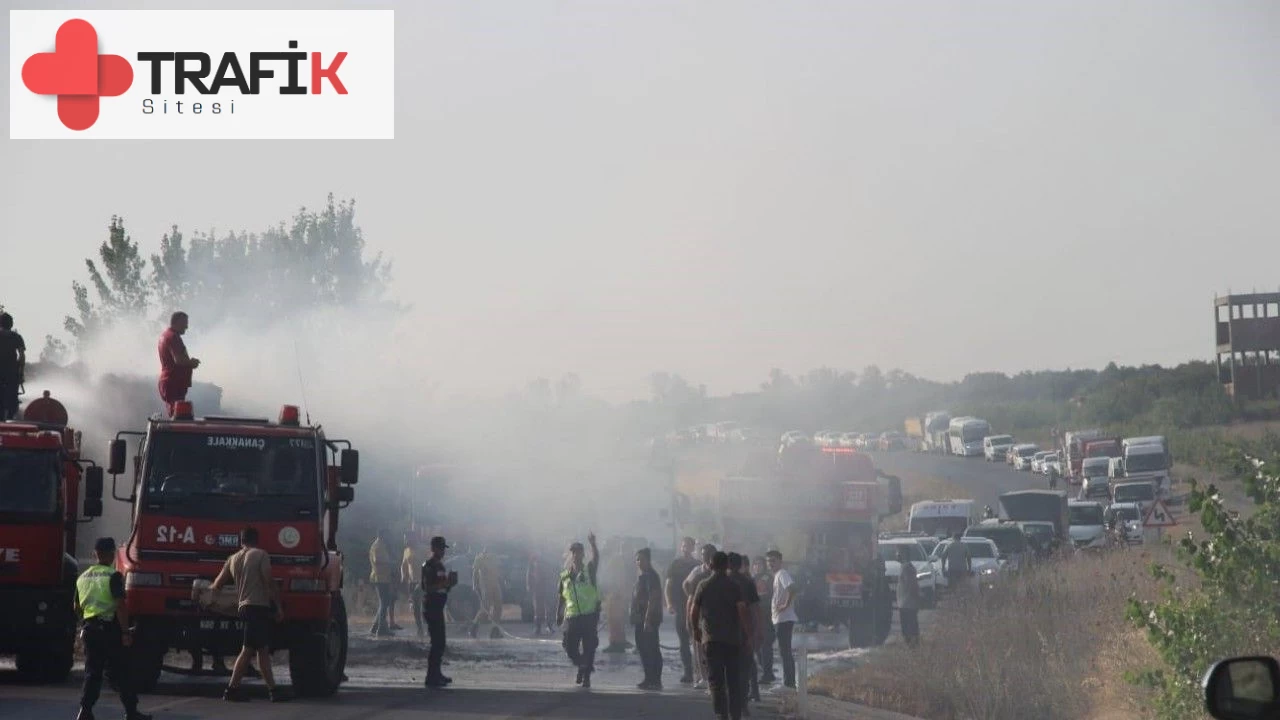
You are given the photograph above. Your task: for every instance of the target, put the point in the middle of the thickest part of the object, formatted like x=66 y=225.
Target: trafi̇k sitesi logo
x=206 y=74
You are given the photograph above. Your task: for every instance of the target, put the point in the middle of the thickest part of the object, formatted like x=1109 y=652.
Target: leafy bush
x=1236 y=608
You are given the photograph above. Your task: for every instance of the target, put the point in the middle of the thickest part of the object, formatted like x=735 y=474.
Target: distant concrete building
x=1247 y=331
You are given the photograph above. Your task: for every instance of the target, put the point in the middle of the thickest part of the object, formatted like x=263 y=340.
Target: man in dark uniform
x=106 y=633
x=748 y=684
x=646 y=616
x=13 y=362
x=436 y=582
x=678 y=602
x=718 y=616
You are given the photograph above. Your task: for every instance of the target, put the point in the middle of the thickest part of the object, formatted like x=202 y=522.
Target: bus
x=965 y=435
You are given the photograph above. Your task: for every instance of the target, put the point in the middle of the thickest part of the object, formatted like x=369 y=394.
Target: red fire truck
x=197 y=483
x=821 y=507
x=40 y=471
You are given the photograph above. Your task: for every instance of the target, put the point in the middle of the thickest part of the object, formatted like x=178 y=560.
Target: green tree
x=1236 y=608
x=316 y=260
x=121 y=285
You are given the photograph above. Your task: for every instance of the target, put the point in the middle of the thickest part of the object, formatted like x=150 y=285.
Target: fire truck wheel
x=47 y=665
x=318 y=659
x=860 y=629
x=146 y=660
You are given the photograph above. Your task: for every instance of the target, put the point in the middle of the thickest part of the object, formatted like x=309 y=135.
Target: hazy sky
x=718 y=187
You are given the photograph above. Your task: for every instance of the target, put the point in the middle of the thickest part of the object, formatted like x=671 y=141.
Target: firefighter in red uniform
x=175 y=364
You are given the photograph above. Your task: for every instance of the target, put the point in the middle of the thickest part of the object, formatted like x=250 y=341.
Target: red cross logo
x=77 y=74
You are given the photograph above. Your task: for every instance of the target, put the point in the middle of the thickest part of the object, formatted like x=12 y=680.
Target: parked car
x=927 y=572
x=1009 y=540
x=1022 y=455
x=996 y=447
x=984 y=560
x=1037 y=461
x=1087 y=526
x=1124 y=521
x=1054 y=464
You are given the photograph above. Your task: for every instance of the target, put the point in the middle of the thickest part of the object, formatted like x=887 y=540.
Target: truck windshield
x=1086 y=515
x=1151 y=462
x=889 y=551
x=28 y=483
x=938 y=525
x=233 y=476
x=1137 y=492
x=1008 y=539
x=998 y=440
x=1104 y=450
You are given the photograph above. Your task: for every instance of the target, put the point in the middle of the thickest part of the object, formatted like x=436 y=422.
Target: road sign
x=1158 y=516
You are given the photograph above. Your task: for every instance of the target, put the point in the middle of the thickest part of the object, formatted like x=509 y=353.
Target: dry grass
x=1051 y=644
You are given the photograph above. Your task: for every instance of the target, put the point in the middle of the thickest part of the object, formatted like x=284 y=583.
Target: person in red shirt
x=175 y=364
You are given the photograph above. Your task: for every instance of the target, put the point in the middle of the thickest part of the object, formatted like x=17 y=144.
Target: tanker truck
x=40 y=474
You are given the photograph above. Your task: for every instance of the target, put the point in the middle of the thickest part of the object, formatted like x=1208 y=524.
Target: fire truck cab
x=197 y=483
x=40 y=472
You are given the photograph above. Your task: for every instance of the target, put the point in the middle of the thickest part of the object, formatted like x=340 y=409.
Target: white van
x=995 y=447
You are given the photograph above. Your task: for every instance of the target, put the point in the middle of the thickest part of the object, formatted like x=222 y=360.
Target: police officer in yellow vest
x=106 y=633
x=580 y=606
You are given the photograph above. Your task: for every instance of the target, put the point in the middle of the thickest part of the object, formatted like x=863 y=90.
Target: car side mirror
x=116 y=455
x=1242 y=688
x=350 y=466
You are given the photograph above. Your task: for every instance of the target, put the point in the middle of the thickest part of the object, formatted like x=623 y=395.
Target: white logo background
x=367 y=111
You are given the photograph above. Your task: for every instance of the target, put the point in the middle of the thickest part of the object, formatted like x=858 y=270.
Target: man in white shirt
x=784 y=614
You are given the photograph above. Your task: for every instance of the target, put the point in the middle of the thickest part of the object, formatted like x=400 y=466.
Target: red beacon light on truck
x=289 y=415
x=183 y=410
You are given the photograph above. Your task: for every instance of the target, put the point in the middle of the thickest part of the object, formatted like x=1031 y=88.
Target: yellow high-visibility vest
x=581 y=597
x=93 y=588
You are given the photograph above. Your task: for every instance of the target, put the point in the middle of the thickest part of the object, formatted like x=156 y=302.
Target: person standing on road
x=646 y=616
x=690 y=585
x=13 y=363
x=748 y=684
x=176 y=365
x=99 y=601
x=784 y=614
x=410 y=577
x=488 y=583
x=541 y=588
x=956 y=564
x=381 y=572
x=764 y=586
x=908 y=598
x=718 y=616
x=250 y=569
x=436 y=582
x=578 y=610
x=678 y=602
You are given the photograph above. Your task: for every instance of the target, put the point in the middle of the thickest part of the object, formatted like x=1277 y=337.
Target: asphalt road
x=515 y=677
x=983 y=480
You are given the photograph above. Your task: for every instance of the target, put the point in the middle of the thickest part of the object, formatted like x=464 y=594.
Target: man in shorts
x=259 y=601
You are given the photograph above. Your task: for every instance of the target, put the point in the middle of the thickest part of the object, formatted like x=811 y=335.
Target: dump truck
x=196 y=483
x=40 y=505
x=822 y=508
